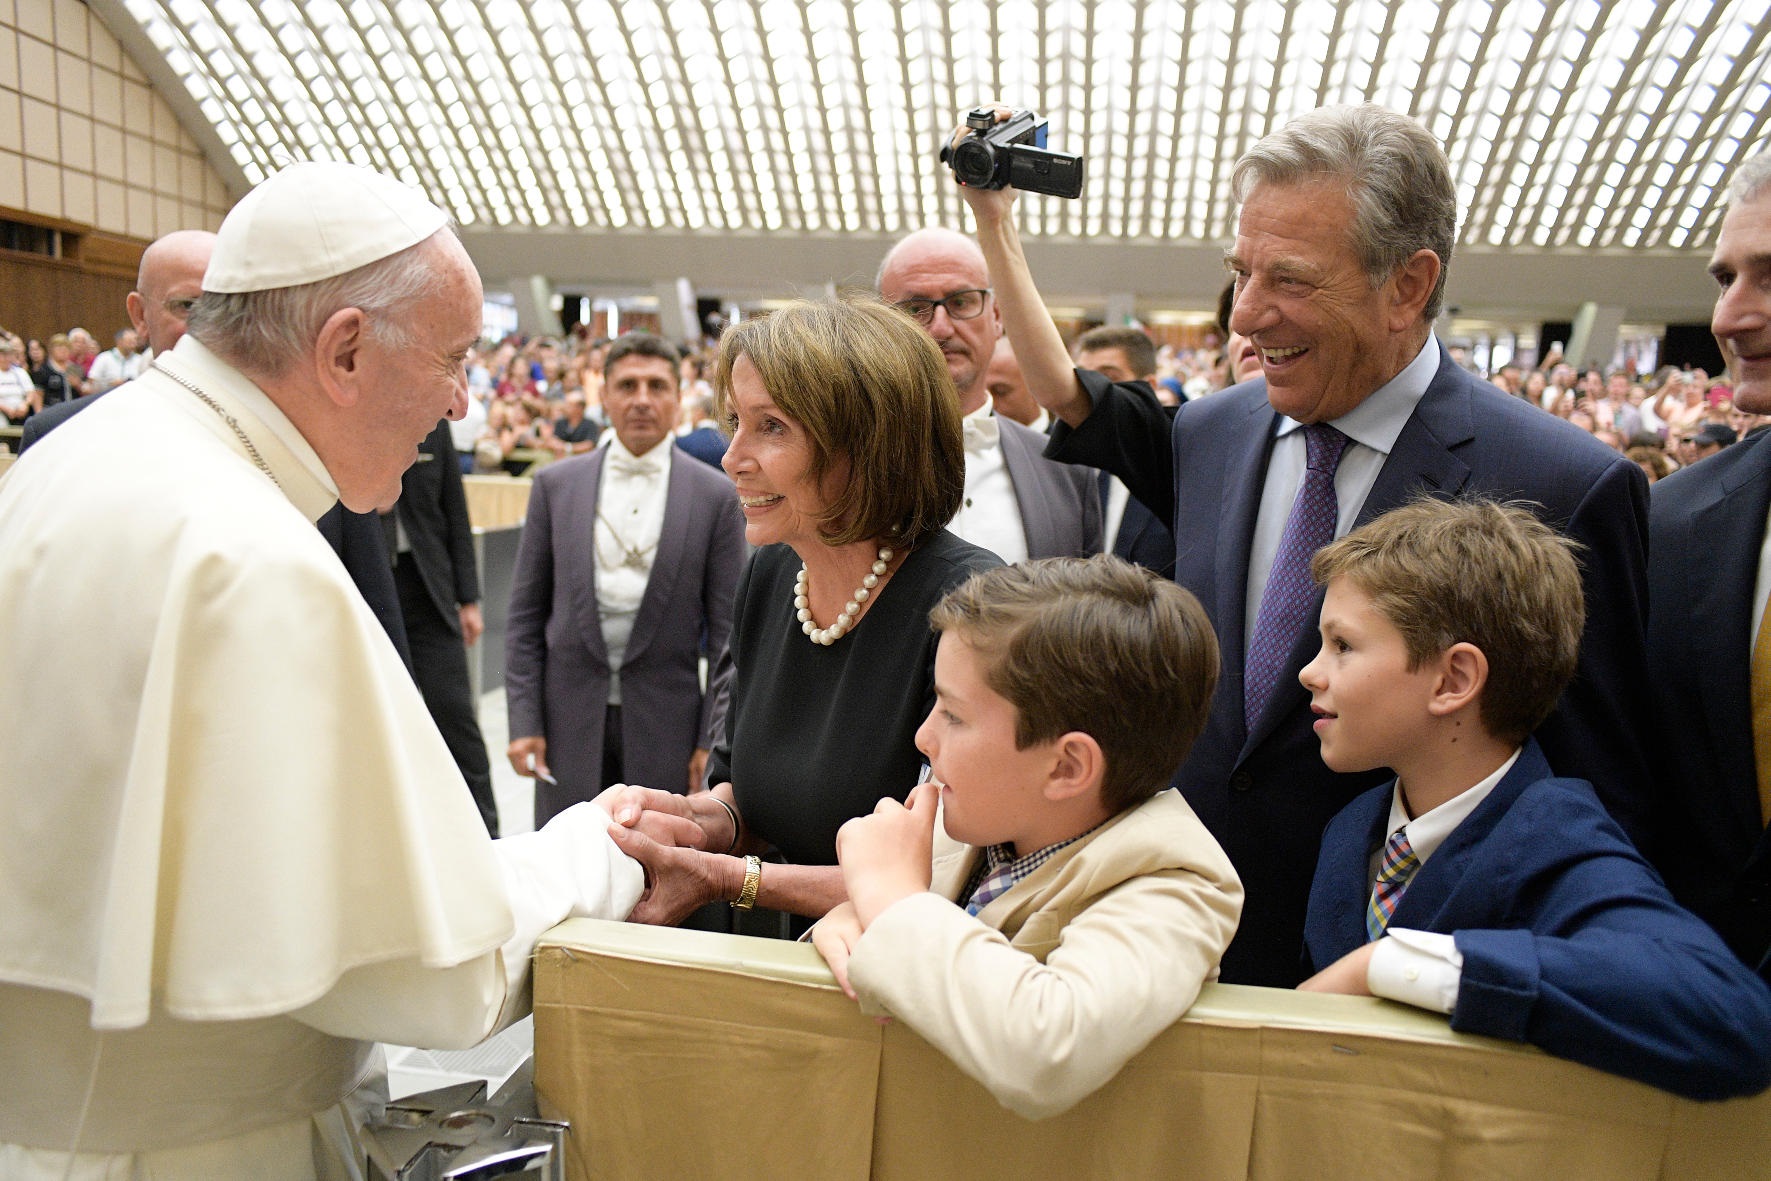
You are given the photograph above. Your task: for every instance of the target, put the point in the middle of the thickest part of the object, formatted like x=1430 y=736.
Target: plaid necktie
x=1760 y=697
x=999 y=879
x=1290 y=592
x=1393 y=875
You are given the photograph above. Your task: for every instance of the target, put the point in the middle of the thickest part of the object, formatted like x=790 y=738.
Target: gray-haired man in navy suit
x=1348 y=216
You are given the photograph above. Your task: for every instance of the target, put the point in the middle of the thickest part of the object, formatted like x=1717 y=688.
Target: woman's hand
x=694 y=822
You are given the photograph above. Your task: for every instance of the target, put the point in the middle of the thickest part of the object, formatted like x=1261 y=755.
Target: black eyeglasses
x=961 y=305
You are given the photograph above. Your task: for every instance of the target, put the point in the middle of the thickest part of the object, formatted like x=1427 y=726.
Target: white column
x=1593 y=341
x=535 y=312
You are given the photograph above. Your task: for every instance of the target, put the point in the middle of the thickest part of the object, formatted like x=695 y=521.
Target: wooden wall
x=40 y=296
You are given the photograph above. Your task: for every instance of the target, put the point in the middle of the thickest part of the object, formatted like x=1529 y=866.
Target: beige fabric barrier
x=683 y=1054
x=496 y=502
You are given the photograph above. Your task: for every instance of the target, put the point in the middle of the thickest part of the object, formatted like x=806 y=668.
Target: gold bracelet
x=753 y=880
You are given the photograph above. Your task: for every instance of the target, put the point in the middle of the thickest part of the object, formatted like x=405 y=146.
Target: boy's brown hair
x=1474 y=571
x=1095 y=645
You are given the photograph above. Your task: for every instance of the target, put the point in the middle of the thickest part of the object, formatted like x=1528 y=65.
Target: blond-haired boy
x=1477 y=883
x=1074 y=907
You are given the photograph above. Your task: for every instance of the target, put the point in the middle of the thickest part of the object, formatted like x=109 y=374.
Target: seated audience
x=1477 y=883
x=574 y=432
x=1710 y=438
x=16 y=386
x=1044 y=907
x=123 y=362
x=1652 y=461
x=57 y=380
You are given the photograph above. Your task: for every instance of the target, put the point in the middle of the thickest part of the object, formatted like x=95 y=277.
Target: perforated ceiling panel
x=1569 y=124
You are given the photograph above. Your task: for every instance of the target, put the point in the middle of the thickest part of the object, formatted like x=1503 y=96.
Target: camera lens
x=974 y=162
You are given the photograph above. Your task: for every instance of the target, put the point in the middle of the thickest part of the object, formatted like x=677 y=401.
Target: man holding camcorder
x=1347 y=220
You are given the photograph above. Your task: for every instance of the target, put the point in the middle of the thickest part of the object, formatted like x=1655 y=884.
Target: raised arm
x=1119 y=428
x=1045 y=363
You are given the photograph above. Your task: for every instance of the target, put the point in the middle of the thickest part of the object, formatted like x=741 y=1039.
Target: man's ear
x=1411 y=286
x=1463 y=674
x=1077 y=766
x=137 y=307
x=339 y=355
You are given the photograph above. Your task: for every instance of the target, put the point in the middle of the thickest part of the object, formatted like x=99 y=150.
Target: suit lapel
x=1732 y=525
x=1437 y=881
x=575 y=535
x=1245 y=474
x=667 y=561
x=1036 y=519
x=1346 y=876
x=1424 y=457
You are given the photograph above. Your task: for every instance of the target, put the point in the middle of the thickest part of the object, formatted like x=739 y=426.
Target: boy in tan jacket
x=1074 y=906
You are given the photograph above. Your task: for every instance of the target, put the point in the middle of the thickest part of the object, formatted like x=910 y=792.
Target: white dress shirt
x=1424 y=968
x=1371 y=428
x=989 y=516
x=1761 y=588
x=629 y=521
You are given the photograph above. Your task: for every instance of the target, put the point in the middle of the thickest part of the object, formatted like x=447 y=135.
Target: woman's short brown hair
x=869 y=387
x=1095 y=645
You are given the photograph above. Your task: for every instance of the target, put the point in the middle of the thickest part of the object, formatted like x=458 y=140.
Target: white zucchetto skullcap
x=314 y=221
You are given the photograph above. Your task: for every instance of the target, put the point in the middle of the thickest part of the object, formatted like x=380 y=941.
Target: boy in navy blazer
x=1477 y=883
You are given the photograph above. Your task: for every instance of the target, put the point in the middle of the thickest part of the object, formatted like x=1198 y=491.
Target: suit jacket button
x=1241 y=781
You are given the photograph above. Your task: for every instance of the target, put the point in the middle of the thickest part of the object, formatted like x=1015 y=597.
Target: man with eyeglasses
x=1017 y=503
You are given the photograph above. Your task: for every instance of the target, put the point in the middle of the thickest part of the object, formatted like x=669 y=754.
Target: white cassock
x=235 y=851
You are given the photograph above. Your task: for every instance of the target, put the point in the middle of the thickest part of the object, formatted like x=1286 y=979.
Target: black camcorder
x=1013 y=152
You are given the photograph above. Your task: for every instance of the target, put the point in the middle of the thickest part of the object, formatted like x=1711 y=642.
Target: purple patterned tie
x=1289 y=593
x=997 y=881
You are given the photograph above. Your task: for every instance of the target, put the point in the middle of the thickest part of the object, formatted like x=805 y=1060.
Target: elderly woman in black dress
x=847 y=461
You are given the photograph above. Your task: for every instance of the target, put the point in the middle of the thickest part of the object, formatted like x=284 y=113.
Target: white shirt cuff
x=1419 y=968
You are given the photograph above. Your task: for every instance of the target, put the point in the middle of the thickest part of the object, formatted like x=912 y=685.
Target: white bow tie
x=623 y=465
x=980 y=434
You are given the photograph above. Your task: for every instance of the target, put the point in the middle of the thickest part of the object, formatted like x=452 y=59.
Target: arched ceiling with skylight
x=1572 y=125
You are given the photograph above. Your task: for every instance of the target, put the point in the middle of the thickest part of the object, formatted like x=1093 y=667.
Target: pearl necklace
x=830 y=635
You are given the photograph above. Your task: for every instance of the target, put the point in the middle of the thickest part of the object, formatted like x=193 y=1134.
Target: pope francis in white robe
x=236 y=853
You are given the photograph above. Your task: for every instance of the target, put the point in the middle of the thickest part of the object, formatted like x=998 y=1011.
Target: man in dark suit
x=1708 y=581
x=1018 y=504
x=429 y=540
x=629 y=559
x=1347 y=222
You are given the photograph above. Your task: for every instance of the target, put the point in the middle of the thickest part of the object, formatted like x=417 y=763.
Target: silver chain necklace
x=233 y=423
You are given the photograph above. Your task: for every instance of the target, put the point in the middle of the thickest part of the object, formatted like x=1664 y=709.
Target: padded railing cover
x=681 y=1054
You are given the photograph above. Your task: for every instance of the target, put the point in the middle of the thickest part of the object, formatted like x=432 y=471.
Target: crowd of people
x=1419 y=738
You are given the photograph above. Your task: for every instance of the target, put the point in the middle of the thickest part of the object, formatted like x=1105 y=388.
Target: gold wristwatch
x=753 y=879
